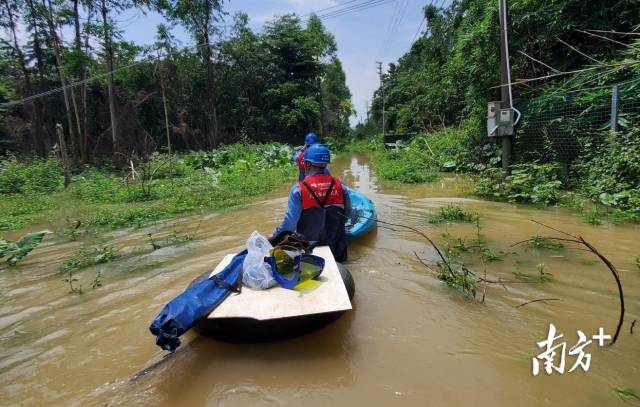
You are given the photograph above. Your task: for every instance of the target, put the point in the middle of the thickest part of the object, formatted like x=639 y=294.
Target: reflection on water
x=410 y=339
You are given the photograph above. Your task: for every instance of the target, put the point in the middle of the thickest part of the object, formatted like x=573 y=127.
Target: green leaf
x=23 y=246
x=625 y=394
x=4 y=247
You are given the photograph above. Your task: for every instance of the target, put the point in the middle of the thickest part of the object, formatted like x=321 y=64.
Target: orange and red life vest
x=323 y=213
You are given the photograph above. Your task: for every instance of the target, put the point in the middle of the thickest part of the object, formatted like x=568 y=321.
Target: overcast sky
x=381 y=33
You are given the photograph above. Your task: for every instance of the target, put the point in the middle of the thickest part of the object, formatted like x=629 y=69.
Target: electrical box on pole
x=500 y=121
x=492 y=118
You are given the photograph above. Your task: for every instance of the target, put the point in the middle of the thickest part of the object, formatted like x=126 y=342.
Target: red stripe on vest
x=320 y=183
x=300 y=159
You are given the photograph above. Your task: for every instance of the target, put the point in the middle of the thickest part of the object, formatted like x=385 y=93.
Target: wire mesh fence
x=561 y=127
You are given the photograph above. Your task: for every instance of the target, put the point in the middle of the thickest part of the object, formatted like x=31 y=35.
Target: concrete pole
x=505 y=79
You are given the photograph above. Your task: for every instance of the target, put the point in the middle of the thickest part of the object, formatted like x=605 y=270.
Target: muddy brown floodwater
x=410 y=340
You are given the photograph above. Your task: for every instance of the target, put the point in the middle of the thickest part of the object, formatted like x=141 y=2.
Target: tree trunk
x=85 y=140
x=62 y=155
x=108 y=51
x=212 y=119
x=63 y=80
x=80 y=113
x=166 y=113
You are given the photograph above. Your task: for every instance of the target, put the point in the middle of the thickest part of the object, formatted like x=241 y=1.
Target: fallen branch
x=605 y=38
x=580 y=240
x=431 y=242
x=423 y=262
x=579 y=52
x=538 y=300
x=613 y=32
x=540 y=62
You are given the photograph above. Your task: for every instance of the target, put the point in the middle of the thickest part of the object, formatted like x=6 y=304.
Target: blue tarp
x=195 y=302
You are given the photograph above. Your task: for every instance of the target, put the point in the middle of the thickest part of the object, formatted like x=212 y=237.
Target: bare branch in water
x=539 y=299
x=423 y=262
x=557 y=230
x=610 y=266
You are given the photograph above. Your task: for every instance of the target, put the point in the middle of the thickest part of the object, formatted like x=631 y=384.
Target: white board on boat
x=330 y=295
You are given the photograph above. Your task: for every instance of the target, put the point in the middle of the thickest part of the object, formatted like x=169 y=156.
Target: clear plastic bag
x=256 y=273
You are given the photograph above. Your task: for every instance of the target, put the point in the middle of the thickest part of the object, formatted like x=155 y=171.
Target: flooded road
x=410 y=339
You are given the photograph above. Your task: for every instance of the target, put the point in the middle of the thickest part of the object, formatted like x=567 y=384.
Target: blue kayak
x=362 y=218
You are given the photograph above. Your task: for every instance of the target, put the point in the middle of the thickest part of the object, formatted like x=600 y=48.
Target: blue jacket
x=294 y=207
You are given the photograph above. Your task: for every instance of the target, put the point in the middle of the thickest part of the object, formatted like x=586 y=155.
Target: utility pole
x=505 y=79
x=383 y=97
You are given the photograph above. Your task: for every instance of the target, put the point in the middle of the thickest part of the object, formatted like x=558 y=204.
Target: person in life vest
x=318 y=205
x=298 y=157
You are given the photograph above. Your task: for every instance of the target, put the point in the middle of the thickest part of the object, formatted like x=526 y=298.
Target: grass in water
x=593 y=217
x=626 y=394
x=454 y=213
x=86 y=257
x=540 y=242
x=542 y=276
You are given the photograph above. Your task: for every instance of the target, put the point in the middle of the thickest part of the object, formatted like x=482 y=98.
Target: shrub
x=403 y=166
x=454 y=213
x=610 y=174
x=37 y=176
x=529 y=183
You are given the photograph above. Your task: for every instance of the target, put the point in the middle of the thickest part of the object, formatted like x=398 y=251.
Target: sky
x=381 y=33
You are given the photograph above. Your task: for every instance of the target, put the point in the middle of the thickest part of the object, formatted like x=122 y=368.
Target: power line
x=399 y=21
x=418 y=32
x=383 y=43
x=354 y=8
x=329 y=8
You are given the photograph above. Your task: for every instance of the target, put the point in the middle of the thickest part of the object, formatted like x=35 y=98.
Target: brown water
x=410 y=340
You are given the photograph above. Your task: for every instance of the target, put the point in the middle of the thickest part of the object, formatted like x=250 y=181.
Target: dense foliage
x=528 y=183
x=246 y=86
x=611 y=174
x=452 y=71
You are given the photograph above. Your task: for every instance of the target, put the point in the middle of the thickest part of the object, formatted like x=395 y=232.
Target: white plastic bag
x=256 y=273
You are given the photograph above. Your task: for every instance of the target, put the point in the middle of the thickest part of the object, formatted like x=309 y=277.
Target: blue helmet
x=318 y=154
x=311 y=138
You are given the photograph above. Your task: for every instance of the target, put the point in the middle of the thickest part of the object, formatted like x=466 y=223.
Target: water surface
x=410 y=340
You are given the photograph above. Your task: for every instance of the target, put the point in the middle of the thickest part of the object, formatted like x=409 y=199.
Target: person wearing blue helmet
x=298 y=157
x=318 y=205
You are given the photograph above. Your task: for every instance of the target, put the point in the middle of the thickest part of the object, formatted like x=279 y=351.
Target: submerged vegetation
x=86 y=257
x=542 y=276
x=454 y=213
